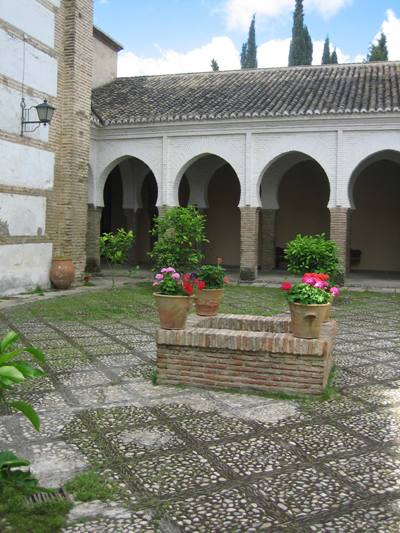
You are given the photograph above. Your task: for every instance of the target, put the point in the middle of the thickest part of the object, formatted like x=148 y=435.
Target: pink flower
x=286 y=286
x=334 y=291
x=321 y=284
x=170 y=269
x=163 y=270
x=159 y=277
x=175 y=275
x=309 y=281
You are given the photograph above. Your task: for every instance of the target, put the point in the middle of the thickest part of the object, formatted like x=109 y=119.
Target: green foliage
x=379 y=51
x=154 y=376
x=302 y=293
x=13 y=372
x=312 y=253
x=213 y=276
x=11 y=474
x=23 y=517
x=89 y=486
x=214 y=65
x=301 y=47
x=334 y=58
x=248 y=56
x=114 y=247
x=179 y=234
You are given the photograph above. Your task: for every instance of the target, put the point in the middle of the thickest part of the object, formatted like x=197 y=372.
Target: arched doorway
x=130 y=196
x=212 y=185
x=375 y=221
x=294 y=194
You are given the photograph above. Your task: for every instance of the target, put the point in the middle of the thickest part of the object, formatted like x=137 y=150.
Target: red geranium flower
x=286 y=286
x=187 y=287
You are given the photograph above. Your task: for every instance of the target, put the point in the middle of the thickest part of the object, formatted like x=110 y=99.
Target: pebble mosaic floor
x=201 y=461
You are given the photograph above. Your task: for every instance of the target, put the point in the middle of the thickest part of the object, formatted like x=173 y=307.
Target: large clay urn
x=307 y=319
x=173 y=310
x=62 y=273
x=207 y=301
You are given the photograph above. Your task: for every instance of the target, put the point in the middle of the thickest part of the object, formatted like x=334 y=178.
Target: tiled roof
x=275 y=92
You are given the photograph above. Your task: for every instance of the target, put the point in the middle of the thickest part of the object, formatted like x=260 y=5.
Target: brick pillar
x=92 y=238
x=69 y=132
x=249 y=222
x=130 y=224
x=267 y=223
x=340 y=233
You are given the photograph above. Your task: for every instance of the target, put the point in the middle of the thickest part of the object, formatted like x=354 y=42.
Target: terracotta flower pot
x=307 y=319
x=207 y=301
x=328 y=312
x=62 y=273
x=173 y=310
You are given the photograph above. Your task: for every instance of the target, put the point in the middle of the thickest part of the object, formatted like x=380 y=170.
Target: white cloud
x=391 y=28
x=171 y=61
x=273 y=53
x=239 y=12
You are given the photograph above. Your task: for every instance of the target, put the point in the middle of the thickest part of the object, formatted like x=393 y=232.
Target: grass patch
x=48 y=517
x=90 y=486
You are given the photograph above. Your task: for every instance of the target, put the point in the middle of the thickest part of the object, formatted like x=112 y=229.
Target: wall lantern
x=44 y=112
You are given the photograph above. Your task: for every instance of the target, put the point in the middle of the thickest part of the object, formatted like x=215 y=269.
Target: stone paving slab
x=206 y=461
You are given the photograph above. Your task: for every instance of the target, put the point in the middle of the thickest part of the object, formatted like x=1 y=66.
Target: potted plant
x=62 y=272
x=309 y=302
x=210 y=284
x=173 y=297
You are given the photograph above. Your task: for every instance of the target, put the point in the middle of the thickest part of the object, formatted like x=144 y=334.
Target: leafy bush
x=313 y=253
x=10 y=472
x=13 y=372
x=114 y=247
x=179 y=235
x=213 y=276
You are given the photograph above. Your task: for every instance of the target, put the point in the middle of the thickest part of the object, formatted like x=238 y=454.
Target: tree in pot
x=173 y=297
x=309 y=302
x=211 y=280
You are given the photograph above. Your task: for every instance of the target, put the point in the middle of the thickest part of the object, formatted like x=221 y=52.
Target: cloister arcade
x=254 y=200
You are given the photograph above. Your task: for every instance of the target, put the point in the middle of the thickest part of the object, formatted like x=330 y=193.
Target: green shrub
x=179 y=235
x=313 y=253
x=214 y=276
x=114 y=247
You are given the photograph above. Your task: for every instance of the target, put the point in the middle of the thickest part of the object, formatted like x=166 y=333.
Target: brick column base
x=340 y=233
x=267 y=222
x=249 y=223
x=92 y=238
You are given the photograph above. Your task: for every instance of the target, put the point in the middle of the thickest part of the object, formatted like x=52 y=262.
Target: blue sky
x=162 y=36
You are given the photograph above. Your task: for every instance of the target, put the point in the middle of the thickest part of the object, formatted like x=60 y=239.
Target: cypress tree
x=301 y=47
x=379 y=51
x=248 y=56
x=214 y=65
x=334 y=58
x=326 y=56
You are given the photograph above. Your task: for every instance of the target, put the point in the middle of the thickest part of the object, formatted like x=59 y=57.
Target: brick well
x=245 y=352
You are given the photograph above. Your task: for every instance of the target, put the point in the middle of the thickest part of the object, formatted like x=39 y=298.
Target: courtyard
x=176 y=459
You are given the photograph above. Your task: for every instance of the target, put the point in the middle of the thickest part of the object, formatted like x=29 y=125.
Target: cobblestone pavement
x=187 y=460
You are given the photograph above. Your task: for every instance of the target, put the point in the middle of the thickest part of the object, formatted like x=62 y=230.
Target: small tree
x=334 y=58
x=379 y=51
x=214 y=65
x=179 y=235
x=114 y=247
x=313 y=253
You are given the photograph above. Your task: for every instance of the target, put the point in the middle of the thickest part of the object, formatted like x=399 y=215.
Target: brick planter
x=245 y=352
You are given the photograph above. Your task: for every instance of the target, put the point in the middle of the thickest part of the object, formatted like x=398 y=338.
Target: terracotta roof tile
x=276 y=92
